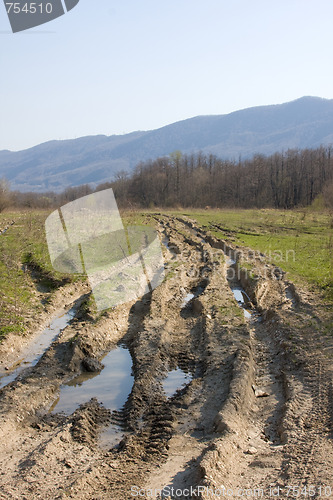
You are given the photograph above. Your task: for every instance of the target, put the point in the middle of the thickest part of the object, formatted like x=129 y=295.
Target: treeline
x=48 y=199
x=283 y=180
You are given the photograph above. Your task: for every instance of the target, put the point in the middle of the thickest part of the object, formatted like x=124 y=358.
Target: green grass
x=298 y=241
x=24 y=259
x=135 y=218
x=23 y=249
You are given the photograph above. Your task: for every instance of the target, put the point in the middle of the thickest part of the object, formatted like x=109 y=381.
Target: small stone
x=259 y=393
x=92 y=365
x=251 y=451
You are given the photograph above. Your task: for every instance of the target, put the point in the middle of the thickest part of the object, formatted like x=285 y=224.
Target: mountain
x=304 y=123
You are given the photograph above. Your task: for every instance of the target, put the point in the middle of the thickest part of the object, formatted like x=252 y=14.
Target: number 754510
x=28 y=8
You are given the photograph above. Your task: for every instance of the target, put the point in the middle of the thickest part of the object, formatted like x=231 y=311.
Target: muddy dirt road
x=220 y=386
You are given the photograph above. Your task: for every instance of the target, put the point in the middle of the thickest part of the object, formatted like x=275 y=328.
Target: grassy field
x=298 y=241
x=24 y=258
x=25 y=267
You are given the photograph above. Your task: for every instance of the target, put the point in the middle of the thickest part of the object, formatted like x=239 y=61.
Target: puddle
x=240 y=295
x=111 y=436
x=291 y=295
x=176 y=379
x=191 y=295
x=166 y=243
x=187 y=299
x=32 y=354
x=243 y=299
x=230 y=261
x=111 y=386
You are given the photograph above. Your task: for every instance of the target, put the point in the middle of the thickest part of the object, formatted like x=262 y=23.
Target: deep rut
x=291 y=414
x=253 y=414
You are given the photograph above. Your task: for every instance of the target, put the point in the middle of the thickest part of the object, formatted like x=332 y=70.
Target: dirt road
x=254 y=418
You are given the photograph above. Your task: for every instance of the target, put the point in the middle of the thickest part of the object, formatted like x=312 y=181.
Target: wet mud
x=207 y=380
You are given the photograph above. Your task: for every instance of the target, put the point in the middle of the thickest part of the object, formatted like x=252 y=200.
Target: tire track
x=253 y=415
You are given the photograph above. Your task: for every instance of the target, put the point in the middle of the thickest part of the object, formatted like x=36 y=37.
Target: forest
x=284 y=180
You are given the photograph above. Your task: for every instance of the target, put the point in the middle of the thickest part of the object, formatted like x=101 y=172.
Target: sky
x=116 y=66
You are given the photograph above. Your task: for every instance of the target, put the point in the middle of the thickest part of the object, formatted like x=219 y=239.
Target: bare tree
x=328 y=196
x=4 y=194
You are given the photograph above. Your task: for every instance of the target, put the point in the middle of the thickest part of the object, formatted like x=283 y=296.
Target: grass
x=298 y=241
x=24 y=258
x=25 y=265
x=136 y=218
x=171 y=270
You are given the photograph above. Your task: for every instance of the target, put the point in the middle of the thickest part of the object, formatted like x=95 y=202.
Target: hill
x=304 y=123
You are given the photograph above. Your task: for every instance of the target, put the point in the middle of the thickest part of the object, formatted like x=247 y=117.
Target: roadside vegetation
x=298 y=241
x=25 y=269
x=27 y=277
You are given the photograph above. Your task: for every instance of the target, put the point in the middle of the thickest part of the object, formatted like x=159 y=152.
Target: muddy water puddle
x=165 y=241
x=111 y=386
x=32 y=354
x=230 y=261
x=240 y=295
x=243 y=300
x=196 y=292
x=176 y=379
x=168 y=245
x=187 y=299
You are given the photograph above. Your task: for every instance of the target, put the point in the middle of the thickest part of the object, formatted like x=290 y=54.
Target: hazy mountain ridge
x=54 y=165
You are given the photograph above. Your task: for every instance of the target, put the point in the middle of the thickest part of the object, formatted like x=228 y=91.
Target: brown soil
x=255 y=420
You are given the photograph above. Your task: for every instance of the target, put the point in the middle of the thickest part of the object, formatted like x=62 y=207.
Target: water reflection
x=111 y=386
x=32 y=354
x=176 y=379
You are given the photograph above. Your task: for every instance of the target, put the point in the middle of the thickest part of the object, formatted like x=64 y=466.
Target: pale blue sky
x=112 y=67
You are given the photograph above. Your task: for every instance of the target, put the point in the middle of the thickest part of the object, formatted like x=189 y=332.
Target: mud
x=250 y=406
x=36 y=348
